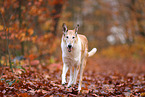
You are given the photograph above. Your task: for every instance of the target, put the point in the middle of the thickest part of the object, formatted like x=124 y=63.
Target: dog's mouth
x=69 y=48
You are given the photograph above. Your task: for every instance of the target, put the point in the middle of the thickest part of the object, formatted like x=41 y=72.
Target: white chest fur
x=74 y=57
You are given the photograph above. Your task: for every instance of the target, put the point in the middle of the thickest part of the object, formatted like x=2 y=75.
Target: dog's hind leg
x=82 y=67
x=65 y=69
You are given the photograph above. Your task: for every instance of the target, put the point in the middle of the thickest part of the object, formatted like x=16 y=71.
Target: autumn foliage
x=30 y=53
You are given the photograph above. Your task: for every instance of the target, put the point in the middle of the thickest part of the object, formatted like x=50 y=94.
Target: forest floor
x=102 y=77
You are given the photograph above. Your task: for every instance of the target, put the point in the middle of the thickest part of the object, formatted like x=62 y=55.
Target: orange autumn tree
x=31 y=26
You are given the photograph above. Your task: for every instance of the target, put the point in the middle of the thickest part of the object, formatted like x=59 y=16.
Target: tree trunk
x=7 y=39
x=56 y=16
x=139 y=19
x=20 y=25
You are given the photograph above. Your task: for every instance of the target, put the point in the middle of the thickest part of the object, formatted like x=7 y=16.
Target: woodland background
x=30 y=36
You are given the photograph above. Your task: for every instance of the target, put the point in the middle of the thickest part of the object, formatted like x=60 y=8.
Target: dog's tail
x=92 y=52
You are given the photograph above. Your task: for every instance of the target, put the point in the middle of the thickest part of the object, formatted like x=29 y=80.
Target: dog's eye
x=66 y=36
x=73 y=37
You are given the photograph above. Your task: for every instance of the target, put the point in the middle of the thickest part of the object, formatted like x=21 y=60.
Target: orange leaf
x=1 y=27
x=23 y=95
x=32 y=57
x=30 y=31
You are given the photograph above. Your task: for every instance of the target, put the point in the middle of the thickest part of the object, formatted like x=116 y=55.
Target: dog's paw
x=68 y=86
x=63 y=84
x=79 y=91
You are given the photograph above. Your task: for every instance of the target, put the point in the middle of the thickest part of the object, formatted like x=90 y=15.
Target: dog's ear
x=64 y=28
x=76 y=29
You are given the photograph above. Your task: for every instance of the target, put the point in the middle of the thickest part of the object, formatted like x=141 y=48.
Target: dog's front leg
x=76 y=71
x=65 y=69
x=71 y=78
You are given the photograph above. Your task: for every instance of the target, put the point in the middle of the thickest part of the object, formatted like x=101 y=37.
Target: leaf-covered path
x=102 y=77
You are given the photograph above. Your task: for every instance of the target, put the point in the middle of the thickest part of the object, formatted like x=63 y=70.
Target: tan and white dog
x=74 y=55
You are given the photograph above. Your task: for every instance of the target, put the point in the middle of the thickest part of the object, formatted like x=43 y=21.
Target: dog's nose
x=69 y=46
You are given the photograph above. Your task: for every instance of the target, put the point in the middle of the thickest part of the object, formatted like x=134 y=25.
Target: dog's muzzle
x=69 y=48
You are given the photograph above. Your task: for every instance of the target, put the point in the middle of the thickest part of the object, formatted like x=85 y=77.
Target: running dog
x=74 y=55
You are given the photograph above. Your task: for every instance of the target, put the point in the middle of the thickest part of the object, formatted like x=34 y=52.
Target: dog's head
x=70 y=36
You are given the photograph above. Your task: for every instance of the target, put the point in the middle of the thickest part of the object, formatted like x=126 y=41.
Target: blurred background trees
x=33 y=27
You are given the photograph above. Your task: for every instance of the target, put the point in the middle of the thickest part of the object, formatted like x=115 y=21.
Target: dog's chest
x=71 y=58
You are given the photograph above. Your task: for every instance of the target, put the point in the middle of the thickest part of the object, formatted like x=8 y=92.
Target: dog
x=74 y=55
